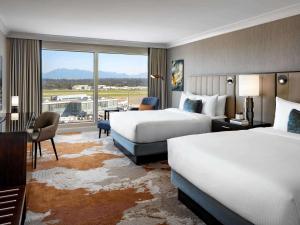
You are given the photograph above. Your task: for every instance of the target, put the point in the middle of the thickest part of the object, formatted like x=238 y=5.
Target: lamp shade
x=249 y=85
x=14 y=116
x=14 y=100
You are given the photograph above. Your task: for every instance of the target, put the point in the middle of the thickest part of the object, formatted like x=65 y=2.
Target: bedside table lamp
x=14 y=104
x=249 y=88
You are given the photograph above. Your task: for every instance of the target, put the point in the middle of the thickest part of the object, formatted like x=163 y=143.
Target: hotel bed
x=241 y=177
x=142 y=135
x=254 y=173
x=159 y=125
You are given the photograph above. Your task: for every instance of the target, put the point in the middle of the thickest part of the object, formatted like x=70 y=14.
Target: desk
x=13 y=148
x=12 y=205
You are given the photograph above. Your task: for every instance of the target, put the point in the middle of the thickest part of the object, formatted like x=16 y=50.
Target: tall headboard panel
x=214 y=85
x=291 y=90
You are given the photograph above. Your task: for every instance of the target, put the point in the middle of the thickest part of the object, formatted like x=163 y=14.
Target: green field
x=135 y=96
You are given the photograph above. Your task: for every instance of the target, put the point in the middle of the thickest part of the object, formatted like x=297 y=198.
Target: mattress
x=158 y=125
x=255 y=173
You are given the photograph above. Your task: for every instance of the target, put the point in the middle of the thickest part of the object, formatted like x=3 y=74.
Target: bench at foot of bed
x=141 y=153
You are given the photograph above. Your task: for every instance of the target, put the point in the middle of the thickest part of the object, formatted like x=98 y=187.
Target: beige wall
x=271 y=47
x=4 y=56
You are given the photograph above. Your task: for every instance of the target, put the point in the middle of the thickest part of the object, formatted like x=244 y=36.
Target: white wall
x=4 y=56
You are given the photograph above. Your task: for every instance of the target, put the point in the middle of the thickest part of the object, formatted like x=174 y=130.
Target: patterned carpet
x=93 y=183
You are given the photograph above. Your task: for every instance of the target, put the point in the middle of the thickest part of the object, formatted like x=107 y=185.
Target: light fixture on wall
x=249 y=88
x=230 y=80
x=282 y=79
x=156 y=76
x=14 y=104
x=14 y=116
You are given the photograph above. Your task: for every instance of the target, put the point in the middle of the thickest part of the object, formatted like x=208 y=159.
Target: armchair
x=44 y=129
x=150 y=101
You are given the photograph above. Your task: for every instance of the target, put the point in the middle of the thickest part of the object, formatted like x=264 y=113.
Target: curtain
x=24 y=78
x=157 y=65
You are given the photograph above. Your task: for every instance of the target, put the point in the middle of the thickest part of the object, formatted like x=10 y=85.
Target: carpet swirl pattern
x=93 y=183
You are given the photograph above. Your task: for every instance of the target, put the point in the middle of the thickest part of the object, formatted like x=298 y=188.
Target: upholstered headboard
x=264 y=105
x=214 y=85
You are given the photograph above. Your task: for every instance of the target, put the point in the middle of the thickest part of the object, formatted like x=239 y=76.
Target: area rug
x=93 y=183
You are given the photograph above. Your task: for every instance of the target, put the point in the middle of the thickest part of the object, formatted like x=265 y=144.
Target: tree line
x=69 y=83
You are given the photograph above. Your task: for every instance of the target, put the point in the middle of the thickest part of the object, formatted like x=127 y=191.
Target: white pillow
x=221 y=104
x=282 y=113
x=183 y=97
x=209 y=103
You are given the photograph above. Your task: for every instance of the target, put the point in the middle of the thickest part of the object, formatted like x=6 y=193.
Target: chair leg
x=32 y=155
x=40 y=148
x=52 y=141
x=99 y=133
x=35 y=154
x=107 y=132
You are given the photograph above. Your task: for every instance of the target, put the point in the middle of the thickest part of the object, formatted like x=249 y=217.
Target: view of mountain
x=85 y=74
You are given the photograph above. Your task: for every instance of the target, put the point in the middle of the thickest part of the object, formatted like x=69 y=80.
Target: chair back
x=47 y=119
x=154 y=101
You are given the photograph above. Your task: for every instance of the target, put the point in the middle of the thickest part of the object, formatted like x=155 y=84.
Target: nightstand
x=225 y=125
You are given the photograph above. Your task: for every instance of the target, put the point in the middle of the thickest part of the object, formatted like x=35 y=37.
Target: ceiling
x=151 y=21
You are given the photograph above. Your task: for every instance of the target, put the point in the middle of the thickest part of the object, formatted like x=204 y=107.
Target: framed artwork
x=1 y=86
x=177 y=75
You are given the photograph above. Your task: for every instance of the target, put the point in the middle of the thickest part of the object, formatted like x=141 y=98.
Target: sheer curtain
x=24 y=80
x=157 y=87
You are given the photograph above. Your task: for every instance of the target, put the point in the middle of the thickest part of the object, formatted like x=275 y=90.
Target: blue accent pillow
x=294 y=122
x=194 y=106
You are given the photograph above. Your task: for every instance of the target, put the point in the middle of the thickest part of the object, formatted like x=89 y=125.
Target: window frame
x=96 y=50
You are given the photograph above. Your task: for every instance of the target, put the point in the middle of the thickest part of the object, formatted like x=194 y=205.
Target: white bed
x=255 y=173
x=158 y=125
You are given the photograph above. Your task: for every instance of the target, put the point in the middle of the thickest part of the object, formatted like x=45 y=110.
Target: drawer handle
x=225 y=127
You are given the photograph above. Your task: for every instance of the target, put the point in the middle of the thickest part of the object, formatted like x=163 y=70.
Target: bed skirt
x=141 y=153
x=207 y=208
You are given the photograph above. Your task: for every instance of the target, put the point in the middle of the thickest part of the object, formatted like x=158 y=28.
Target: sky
x=120 y=63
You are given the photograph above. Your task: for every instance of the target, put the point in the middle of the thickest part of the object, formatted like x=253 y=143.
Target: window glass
x=67 y=83
x=122 y=80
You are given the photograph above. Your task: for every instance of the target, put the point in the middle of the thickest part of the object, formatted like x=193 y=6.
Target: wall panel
x=267 y=48
x=291 y=90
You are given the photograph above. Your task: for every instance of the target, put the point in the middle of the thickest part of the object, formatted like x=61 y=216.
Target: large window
x=122 y=80
x=70 y=83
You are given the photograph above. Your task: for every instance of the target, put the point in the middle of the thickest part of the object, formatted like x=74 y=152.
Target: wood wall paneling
x=283 y=90
x=268 y=94
x=291 y=90
x=267 y=48
x=264 y=105
x=294 y=87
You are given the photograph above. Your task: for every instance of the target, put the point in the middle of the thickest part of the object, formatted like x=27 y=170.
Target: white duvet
x=255 y=173
x=158 y=125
